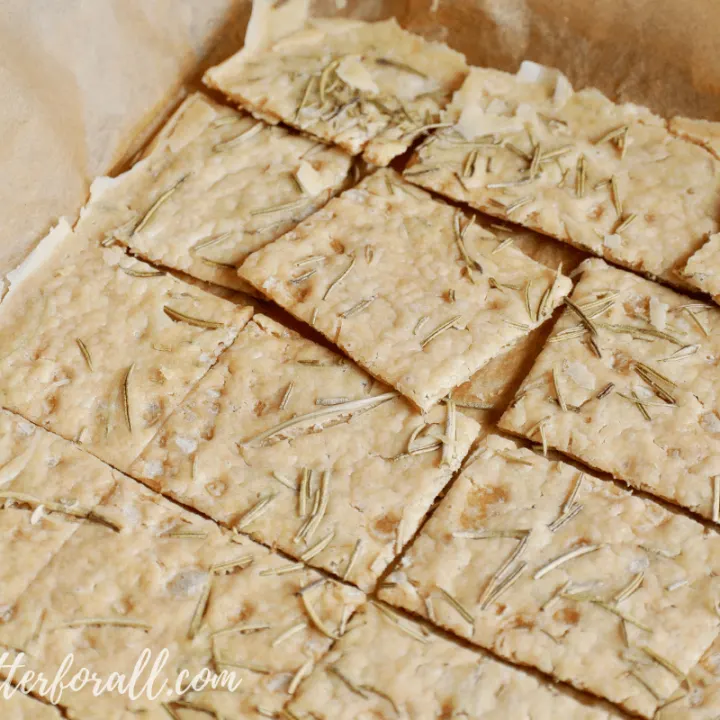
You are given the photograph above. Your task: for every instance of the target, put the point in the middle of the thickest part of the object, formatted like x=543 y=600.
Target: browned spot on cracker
x=478 y=501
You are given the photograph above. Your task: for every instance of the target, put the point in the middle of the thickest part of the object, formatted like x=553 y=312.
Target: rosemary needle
x=85 y=353
x=126 y=397
x=191 y=320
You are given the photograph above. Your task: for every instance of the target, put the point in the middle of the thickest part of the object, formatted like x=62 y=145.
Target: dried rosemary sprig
x=290 y=632
x=85 y=353
x=287 y=394
x=156 y=206
x=256 y=511
x=354 y=555
x=584 y=319
x=126 y=397
x=340 y=277
x=633 y=585
x=440 y=329
x=106 y=622
x=238 y=139
x=414 y=632
x=564 y=558
x=191 y=320
x=142 y=273
x=347 y=407
x=358 y=307
x=455 y=604
x=200 y=610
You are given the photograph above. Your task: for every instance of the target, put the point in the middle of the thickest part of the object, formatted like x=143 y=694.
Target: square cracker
x=607 y=178
x=278 y=408
x=100 y=348
x=568 y=573
x=647 y=410
x=409 y=287
x=48 y=488
x=370 y=87
x=703 y=268
x=387 y=662
x=216 y=185
x=18 y=706
x=164 y=559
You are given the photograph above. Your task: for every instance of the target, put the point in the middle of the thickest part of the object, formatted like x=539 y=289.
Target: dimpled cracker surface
x=413 y=290
x=287 y=441
x=566 y=572
x=389 y=666
x=216 y=185
x=48 y=488
x=607 y=178
x=22 y=707
x=646 y=411
x=99 y=348
x=178 y=582
x=363 y=86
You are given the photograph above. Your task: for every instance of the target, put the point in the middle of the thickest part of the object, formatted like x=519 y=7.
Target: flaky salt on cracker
x=100 y=348
x=371 y=88
x=178 y=582
x=48 y=488
x=551 y=567
x=412 y=289
x=216 y=185
x=297 y=446
x=627 y=383
x=389 y=666
x=607 y=178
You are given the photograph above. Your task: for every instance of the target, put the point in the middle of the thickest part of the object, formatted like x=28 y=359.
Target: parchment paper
x=83 y=83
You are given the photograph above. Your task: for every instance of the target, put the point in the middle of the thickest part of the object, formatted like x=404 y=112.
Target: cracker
x=646 y=411
x=703 y=268
x=371 y=88
x=386 y=662
x=24 y=707
x=557 y=569
x=48 y=488
x=412 y=289
x=367 y=469
x=607 y=178
x=100 y=348
x=163 y=561
x=216 y=186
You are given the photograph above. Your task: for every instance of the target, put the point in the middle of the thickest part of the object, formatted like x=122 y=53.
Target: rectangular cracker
x=703 y=268
x=48 y=488
x=17 y=706
x=655 y=424
x=389 y=666
x=278 y=408
x=216 y=185
x=409 y=287
x=100 y=348
x=371 y=88
x=557 y=569
x=163 y=561
x=527 y=148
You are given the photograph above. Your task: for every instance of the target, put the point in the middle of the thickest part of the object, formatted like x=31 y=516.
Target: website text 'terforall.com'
x=145 y=680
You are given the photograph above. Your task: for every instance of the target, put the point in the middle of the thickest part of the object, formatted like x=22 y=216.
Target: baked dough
x=370 y=87
x=647 y=410
x=411 y=288
x=216 y=185
x=389 y=666
x=362 y=459
x=163 y=560
x=552 y=567
x=610 y=179
x=99 y=348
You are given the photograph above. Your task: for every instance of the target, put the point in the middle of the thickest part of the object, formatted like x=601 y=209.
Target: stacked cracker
x=297 y=502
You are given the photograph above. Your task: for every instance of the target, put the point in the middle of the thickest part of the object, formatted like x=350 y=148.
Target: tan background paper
x=84 y=82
